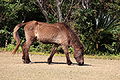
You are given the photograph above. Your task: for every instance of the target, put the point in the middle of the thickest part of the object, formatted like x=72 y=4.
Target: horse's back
x=50 y=33
x=47 y=33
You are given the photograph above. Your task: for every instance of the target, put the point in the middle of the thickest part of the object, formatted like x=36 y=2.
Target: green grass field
x=110 y=57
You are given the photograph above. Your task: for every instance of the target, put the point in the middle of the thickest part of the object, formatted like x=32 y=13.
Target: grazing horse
x=58 y=34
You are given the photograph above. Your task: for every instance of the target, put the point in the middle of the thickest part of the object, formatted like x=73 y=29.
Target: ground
x=12 y=68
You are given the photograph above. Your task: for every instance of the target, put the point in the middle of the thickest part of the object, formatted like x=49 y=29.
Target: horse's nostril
x=81 y=63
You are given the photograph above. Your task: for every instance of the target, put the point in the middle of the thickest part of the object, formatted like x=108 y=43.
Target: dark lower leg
x=25 y=56
x=65 y=48
x=52 y=53
x=68 y=59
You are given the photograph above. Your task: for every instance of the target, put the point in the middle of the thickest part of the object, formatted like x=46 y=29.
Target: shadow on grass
x=60 y=63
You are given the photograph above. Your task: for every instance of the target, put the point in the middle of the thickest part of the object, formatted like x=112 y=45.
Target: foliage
x=14 y=12
x=98 y=30
x=97 y=25
x=41 y=48
x=10 y=47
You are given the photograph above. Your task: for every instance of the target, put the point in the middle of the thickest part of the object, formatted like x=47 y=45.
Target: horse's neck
x=74 y=40
x=76 y=44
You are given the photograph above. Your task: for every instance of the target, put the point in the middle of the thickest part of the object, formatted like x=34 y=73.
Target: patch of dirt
x=12 y=68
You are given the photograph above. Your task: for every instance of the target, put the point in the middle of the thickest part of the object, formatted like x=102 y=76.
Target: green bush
x=97 y=32
x=10 y=47
x=45 y=48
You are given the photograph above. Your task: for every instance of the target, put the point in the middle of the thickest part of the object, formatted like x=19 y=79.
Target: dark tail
x=16 y=36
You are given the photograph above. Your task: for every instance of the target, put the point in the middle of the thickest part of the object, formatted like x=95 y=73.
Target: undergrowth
x=37 y=51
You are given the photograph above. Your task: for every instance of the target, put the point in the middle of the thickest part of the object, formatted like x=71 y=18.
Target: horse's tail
x=16 y=36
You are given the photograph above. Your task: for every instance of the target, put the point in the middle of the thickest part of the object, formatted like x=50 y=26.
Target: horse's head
x=79 y=56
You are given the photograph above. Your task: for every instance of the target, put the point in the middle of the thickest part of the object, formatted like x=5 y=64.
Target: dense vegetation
x=95 y=21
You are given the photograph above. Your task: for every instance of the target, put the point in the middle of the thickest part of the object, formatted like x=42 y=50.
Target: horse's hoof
x=80 y=64
x=69 y=63
x=26 y=62
x=49 y=61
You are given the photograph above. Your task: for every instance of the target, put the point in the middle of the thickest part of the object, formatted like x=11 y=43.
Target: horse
x=58 y=34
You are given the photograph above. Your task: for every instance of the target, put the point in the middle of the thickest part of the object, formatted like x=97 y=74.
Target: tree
x=60 y=10
x=58 y=3
x=41 y=5
x=91 y=19
x=14 y=12
x=96 y=27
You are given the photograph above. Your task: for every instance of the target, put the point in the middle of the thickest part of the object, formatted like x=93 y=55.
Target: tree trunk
x=58 y=3
x=40 y=5
x=85 y=4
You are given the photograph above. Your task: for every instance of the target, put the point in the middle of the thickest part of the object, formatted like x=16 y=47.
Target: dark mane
x=73 y=36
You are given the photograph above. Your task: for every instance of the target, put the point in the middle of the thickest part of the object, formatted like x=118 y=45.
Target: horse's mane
x=73 y=37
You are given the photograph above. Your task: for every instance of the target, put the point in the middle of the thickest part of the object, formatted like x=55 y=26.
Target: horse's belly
x=45 y=38
x=51 y=38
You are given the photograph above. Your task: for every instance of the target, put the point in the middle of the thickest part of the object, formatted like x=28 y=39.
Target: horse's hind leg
x=52 y=53
x=25 y=49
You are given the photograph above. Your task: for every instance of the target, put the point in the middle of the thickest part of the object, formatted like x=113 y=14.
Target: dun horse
x=58 y=34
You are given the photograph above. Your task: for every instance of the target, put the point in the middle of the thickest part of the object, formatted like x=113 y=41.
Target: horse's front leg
x=25 y=49
x=53 y=51
x=65 y=48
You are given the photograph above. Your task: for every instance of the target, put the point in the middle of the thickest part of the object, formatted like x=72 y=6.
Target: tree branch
x=85 y=3
x=58 y=3
x=69 y=11
x=40 y=5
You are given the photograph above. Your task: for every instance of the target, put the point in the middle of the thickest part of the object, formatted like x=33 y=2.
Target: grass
x=47 y=54
x=109 y=57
